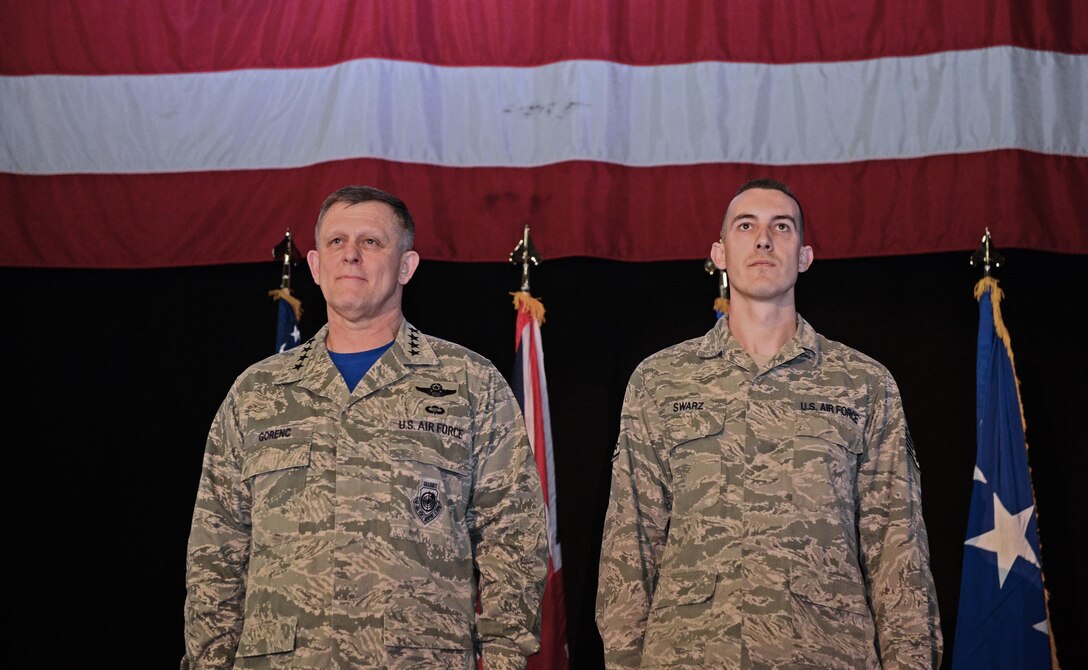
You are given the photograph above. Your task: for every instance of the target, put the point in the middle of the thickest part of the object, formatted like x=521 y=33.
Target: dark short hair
x=775 y=185
x=355 y=195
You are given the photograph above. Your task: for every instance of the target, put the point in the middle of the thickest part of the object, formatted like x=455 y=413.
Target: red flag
x=531 y=389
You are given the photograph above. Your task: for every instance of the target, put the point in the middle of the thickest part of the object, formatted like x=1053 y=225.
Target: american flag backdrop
x=157 y=134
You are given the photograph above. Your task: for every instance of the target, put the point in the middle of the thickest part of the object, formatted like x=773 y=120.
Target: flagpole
x=531 y=390
x=525 y=254
x=721 y=303
x=289 y=307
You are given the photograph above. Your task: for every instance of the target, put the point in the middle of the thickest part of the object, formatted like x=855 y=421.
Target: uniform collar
x=313 y=369
x=720 y=342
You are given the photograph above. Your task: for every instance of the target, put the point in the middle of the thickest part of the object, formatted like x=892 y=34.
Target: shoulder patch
x=428 y=502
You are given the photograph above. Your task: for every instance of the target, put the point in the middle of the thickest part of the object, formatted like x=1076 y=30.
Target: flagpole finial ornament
x=524 y=254
x=721 y=303
x=987 y=257
x=288 y=253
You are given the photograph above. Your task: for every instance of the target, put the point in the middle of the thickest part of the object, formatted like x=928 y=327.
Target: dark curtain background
x=114 y=377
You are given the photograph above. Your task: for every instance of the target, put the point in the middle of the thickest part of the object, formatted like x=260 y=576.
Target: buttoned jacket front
x=338 y=529
x=765 y=516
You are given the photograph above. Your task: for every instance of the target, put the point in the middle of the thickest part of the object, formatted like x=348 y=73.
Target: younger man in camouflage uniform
x=765 y=508
x=340 y=528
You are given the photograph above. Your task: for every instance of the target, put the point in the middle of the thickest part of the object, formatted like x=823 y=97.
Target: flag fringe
x=996 y=296
x=524 y=302
x=285 y=294
x=721 y=305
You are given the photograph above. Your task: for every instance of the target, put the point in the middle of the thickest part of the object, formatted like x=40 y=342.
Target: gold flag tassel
x=524 y=302
x=285 y=293
x=721 y=303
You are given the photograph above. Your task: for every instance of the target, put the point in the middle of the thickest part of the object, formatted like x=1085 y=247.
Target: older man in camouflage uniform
x=340 y=528
x=765 y=508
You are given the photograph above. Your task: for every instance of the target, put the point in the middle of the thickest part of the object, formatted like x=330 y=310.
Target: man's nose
x=763 y=239
x=352 y=254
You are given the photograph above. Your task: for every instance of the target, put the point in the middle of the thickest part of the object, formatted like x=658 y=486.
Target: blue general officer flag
x=289 y=309
x=1002 y=620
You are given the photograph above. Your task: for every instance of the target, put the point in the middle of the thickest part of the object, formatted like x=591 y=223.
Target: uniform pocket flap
x=830 y=591
x=426 y=629
x=843 y=434
x=267 y=637
x=684 y=588
x=451 y=456
x=693 y=426
x=287 y=451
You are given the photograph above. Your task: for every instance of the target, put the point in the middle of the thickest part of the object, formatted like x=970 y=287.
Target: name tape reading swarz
x=428 y=426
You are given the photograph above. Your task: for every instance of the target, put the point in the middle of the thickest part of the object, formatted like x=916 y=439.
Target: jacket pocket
x=276 y=470
x=833 y=626
x=429 y=489
x=825 y=463
x=425 y=628
x=681 y=608
x=260 y=638
x=688 y=587
x=829 y=590
x=695 y=460
x=423 y=638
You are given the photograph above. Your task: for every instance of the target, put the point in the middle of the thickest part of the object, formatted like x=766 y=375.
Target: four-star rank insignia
x=436 y=390
x=427 y=503
x=413 y=342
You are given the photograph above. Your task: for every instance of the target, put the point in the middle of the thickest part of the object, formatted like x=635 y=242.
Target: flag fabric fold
x=288 y=313
x=531 y=389
x=1002 y=620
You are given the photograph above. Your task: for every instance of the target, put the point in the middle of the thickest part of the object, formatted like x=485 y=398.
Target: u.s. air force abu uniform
x=765 y=517
x=341 y=530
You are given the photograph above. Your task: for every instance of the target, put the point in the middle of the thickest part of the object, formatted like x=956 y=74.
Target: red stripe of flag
x=112 y=37
x=867 y=208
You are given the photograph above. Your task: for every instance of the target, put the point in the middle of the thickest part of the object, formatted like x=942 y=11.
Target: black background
x=114 y=376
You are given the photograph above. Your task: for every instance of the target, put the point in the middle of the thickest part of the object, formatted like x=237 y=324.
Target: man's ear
x=805 y=259
x=314 y=261
x=717 y=254
x=409 y=261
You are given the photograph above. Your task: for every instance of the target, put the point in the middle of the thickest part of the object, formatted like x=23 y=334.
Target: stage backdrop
x=152 y=154
x=115 y=377
x=162 y=133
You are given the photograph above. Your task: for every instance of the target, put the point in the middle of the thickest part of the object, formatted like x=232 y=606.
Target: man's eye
x=783 y=227
x=743 y=226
